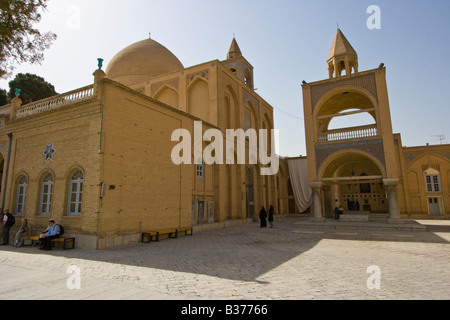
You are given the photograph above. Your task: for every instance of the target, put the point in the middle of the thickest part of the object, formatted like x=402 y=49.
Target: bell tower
x=350 y=161
x=342 y=57
x=237 y=64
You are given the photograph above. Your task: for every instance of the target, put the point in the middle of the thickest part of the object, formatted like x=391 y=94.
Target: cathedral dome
x=142 y=61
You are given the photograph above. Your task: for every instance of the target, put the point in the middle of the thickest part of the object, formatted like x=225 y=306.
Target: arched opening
x=248 y=78
x=46 y=192
x=346 y=115
x=348 y=119
x=168 y=96
x=341 y=68
x=199 y=99
x=355 y=181
x=75 y=193
x=432 y=180
x=231 y=108
x=233 y=69
x=21 y=193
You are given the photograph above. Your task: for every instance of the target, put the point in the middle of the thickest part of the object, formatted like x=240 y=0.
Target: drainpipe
x=7 y=169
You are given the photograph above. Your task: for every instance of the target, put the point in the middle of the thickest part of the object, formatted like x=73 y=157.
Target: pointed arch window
x=46 y=195
x=75 y=193
x=21 y=195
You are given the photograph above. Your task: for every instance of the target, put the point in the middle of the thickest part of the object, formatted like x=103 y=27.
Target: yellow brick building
x=98 y=159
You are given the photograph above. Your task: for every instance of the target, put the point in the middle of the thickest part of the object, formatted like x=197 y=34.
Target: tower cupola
x=342 y=57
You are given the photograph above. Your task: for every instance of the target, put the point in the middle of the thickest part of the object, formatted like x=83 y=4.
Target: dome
x=142 y=61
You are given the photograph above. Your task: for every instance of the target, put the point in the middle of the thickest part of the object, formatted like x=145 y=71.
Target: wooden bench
x=147 y=237
x=187 y=231
x=66 y=241
x=155 y=235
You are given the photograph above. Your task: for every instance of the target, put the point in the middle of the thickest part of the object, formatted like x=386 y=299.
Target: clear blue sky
x=287 y=41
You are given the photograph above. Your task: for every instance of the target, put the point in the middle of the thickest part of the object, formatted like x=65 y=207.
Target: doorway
x=434 y=206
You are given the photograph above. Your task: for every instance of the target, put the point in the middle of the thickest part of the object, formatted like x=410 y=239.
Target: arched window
x=432 y=180
x=21 y=195
x=46 y=195
x=75 y=193
x=248 y=78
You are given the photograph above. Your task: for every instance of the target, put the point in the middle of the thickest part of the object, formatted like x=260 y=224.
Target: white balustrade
x=348 y=134
x=55 y=102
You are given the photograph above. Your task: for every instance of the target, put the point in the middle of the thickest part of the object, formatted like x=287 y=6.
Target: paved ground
x=294 y=260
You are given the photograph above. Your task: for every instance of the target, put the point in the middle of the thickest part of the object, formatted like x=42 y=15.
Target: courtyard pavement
x=295 y=260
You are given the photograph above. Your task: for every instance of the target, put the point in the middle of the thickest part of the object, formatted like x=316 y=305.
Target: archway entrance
x=354 y=182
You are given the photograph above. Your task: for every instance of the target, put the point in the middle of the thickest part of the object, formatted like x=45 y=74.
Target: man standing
x=52 y=232
x=7 y=222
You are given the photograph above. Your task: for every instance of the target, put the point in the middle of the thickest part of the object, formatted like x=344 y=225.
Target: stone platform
x=393 y=225
x=358 y=216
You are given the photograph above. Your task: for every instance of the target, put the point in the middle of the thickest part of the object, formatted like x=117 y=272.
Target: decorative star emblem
x=48 y=152
x=411 y=157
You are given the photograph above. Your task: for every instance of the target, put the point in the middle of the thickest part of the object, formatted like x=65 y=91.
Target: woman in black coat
x=262 y=217
x=271 y=216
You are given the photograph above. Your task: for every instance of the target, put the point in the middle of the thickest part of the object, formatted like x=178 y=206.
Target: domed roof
x=141 y=61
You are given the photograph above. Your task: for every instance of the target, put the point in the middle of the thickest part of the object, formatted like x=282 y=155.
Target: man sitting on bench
x=52 y=232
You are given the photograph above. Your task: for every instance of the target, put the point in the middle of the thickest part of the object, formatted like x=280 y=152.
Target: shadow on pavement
x=241 y=253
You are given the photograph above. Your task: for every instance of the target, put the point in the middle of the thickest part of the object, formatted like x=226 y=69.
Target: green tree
x=20 y=42
x=33 y=88
x=3 y=97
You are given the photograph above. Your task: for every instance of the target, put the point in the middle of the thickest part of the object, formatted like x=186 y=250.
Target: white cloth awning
x=298 y=172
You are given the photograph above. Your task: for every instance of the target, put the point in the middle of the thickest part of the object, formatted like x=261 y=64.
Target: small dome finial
x=100 y=63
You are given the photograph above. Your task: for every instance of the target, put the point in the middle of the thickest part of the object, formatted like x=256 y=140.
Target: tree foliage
x=33 y=88
x=20 y=42
x=3 y=97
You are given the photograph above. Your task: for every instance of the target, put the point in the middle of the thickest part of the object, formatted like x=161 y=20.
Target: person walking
x=24 y=231
x=262 y=217
x=271 y=216
x=53 y=232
